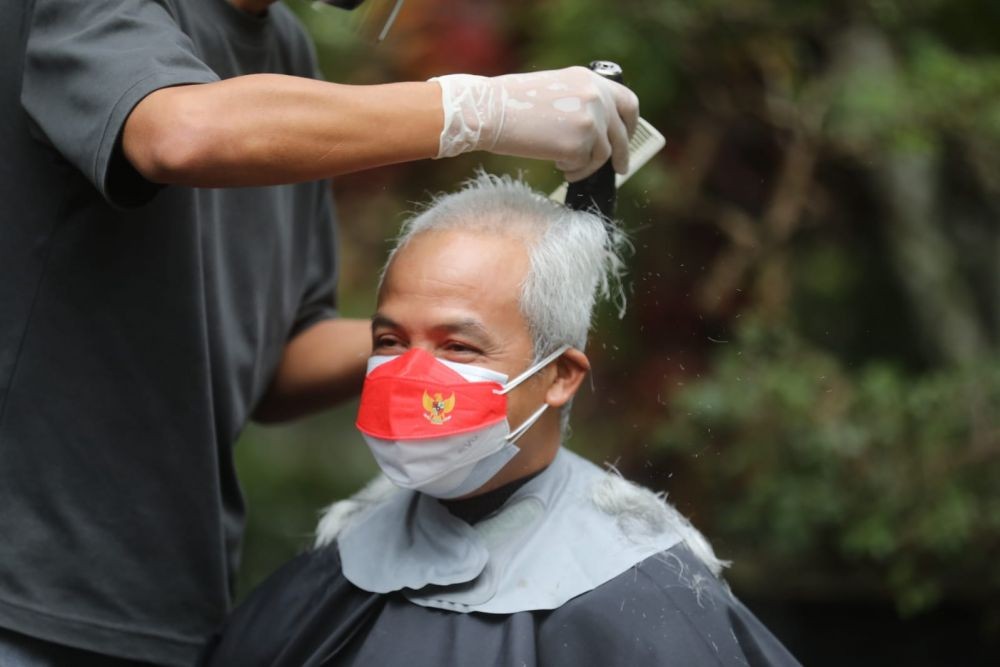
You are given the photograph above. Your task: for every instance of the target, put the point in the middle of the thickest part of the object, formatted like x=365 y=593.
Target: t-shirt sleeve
x=88 y=63
x=319 y=295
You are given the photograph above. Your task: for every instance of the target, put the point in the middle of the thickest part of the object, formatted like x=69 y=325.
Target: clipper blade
x=646 y=142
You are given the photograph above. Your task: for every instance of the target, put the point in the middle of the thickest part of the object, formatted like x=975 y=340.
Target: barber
x=168 y=256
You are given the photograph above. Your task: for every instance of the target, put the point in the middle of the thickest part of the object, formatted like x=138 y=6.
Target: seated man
x=502 y=548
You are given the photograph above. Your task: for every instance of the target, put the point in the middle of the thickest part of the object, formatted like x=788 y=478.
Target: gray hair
x=575 y=257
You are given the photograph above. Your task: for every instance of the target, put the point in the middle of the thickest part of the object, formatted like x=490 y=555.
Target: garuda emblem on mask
x=436 y=409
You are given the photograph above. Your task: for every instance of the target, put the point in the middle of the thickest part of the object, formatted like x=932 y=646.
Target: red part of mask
x=416 y=397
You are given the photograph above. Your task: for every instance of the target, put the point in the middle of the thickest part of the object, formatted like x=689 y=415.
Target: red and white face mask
x=437 y=426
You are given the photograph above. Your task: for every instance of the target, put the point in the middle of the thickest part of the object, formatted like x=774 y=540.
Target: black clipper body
x=597 y=192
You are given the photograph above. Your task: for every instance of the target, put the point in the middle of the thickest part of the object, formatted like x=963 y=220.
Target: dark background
x=809 y=361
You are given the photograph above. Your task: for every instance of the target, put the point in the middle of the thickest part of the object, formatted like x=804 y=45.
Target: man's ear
x=571 y=368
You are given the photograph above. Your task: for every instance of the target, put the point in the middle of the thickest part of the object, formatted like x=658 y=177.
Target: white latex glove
x=572 y=116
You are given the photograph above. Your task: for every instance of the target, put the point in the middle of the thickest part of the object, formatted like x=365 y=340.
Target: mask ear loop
x=530 y=421
x=510 y=386
x=514 y=435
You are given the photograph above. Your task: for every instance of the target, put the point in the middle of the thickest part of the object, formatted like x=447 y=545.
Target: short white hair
x=575 y=256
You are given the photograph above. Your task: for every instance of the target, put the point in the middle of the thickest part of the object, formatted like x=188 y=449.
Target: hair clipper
x=597 y=192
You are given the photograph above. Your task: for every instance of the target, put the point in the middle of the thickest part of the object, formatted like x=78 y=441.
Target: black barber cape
x=308 y=614
x=668 y=608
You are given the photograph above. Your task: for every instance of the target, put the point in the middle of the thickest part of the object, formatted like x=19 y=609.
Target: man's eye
x=461 y=348
x=384 y=342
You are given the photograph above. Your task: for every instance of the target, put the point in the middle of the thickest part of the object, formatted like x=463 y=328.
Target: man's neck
x=538 y=449
x=255 y=7
x=475 y=509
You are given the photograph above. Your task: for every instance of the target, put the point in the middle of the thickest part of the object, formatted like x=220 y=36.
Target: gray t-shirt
x=139 y=325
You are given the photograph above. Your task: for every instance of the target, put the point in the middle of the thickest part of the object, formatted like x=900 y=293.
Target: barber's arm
x=267 y=129
x=321 y=366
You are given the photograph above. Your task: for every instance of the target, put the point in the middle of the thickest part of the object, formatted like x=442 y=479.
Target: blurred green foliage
x=810 y=362
x=874 y=478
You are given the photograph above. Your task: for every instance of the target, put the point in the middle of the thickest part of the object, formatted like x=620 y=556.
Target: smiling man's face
x=455 y=294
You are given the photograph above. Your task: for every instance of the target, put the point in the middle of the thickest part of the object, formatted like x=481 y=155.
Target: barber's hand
x=572 y=116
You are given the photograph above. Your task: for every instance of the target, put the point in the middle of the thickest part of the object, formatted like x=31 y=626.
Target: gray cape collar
x=565 y=532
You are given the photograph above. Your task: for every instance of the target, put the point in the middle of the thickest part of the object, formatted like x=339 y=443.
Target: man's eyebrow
x=469 y=327
x=380 y=320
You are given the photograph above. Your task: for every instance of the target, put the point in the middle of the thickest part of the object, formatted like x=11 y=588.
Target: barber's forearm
x=266 y=129
x=322 y=366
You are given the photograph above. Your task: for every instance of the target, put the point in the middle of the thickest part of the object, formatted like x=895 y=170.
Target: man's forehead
x=455 y=281
x=432 y=262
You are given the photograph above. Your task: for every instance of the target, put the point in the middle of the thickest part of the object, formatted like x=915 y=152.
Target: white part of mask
x=445 y=467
